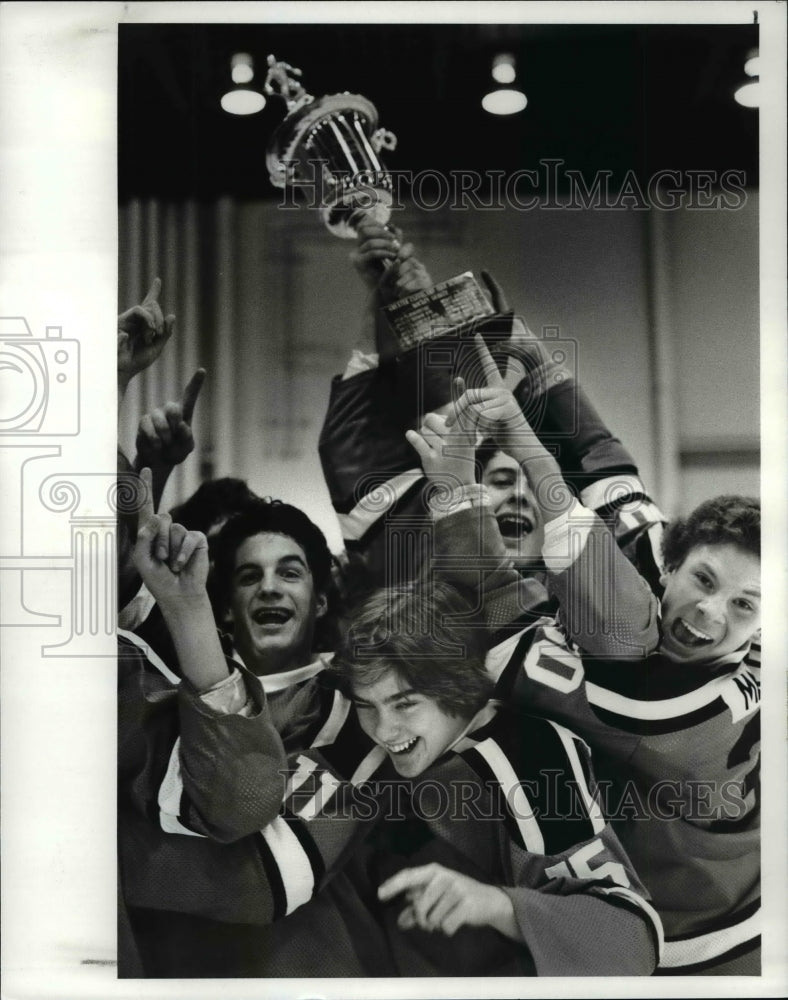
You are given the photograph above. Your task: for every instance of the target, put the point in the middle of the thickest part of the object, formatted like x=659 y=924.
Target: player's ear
x=321 y=604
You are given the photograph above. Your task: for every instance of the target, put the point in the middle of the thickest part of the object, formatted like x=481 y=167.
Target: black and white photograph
x=410 y=644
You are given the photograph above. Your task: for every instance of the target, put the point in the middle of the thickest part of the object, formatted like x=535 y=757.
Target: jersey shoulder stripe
x=658 y=727
x=129 y=639
x=734 y=934
x=737 y=692
x=383 y=500
x=350 y=744
x=544 y=760
x=656 y=678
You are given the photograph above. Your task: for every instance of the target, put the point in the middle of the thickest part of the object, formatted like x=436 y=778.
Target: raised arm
x=605 y=606
x=164 y=436
x=143 y=331
x=370 y=470
x=596 y=465
x=210 y=735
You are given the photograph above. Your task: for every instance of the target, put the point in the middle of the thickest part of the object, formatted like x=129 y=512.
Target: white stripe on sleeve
x=335 y=721
x=610 y=490
x=595 y=814
x=704 y=947
x=292 y=861
x=170 y=793
x=646 y=907
x=153 y=658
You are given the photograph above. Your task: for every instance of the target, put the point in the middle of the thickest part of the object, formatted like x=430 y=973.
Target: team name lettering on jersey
x=743 y=696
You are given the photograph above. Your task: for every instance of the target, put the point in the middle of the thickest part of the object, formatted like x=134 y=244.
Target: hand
x=446 y=457
x=493 y=408
x=143 y=331
x=172 y=561
x=440 y=899
x=379 y=245
x=164 y=436
x=406 y=276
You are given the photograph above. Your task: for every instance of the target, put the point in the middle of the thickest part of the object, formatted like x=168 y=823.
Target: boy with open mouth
x=478 y=873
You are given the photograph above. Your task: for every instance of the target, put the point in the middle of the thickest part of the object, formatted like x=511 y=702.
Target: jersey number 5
x=578 y=866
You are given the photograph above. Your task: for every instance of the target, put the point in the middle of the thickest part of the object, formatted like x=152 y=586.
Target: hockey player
x=483 y=872
x=675 y=734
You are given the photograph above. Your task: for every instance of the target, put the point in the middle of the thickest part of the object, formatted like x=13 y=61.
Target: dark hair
x=211 y=502
x=418 y=632
x=724 y=520
x=257 y=517
x=485 y=453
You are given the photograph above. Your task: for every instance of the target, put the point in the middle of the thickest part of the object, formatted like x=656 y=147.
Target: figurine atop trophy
x=280 y=81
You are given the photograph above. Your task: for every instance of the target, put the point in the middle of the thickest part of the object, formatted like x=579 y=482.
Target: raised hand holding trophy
x=330 y=147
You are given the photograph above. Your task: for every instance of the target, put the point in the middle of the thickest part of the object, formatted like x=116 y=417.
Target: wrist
x=502 y=916
x=448 y=497
x=183 y=610
x=153 y=462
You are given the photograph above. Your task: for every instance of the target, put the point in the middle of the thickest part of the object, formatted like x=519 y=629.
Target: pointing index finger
x=190 y=394
x=408 y=878
x=492 y=376
x=153 y=293
x=146 y=511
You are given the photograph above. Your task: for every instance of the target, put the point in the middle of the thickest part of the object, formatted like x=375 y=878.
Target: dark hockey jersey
x=199 y=832
x=484 y=808
x=511 y=806
x=660 y=733
x=676 y=749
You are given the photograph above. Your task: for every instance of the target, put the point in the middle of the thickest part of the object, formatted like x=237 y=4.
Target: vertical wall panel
x=227 y=367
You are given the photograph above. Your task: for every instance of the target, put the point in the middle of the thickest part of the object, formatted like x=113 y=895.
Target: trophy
x=338 y=134
x=338 y=137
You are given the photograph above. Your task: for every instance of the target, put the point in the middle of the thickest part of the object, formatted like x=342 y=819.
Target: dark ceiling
x=601 y=98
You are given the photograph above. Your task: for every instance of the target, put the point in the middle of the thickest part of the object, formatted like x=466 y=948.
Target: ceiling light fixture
x=748 y=93
x=503 y=69
x=240 y=99
x=504 y=100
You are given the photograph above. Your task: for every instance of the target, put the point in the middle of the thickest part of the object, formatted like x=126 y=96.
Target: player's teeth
x=695 y=632
x=399 y=747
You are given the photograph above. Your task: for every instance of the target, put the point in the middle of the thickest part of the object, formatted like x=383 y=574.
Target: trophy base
x=434 y=312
